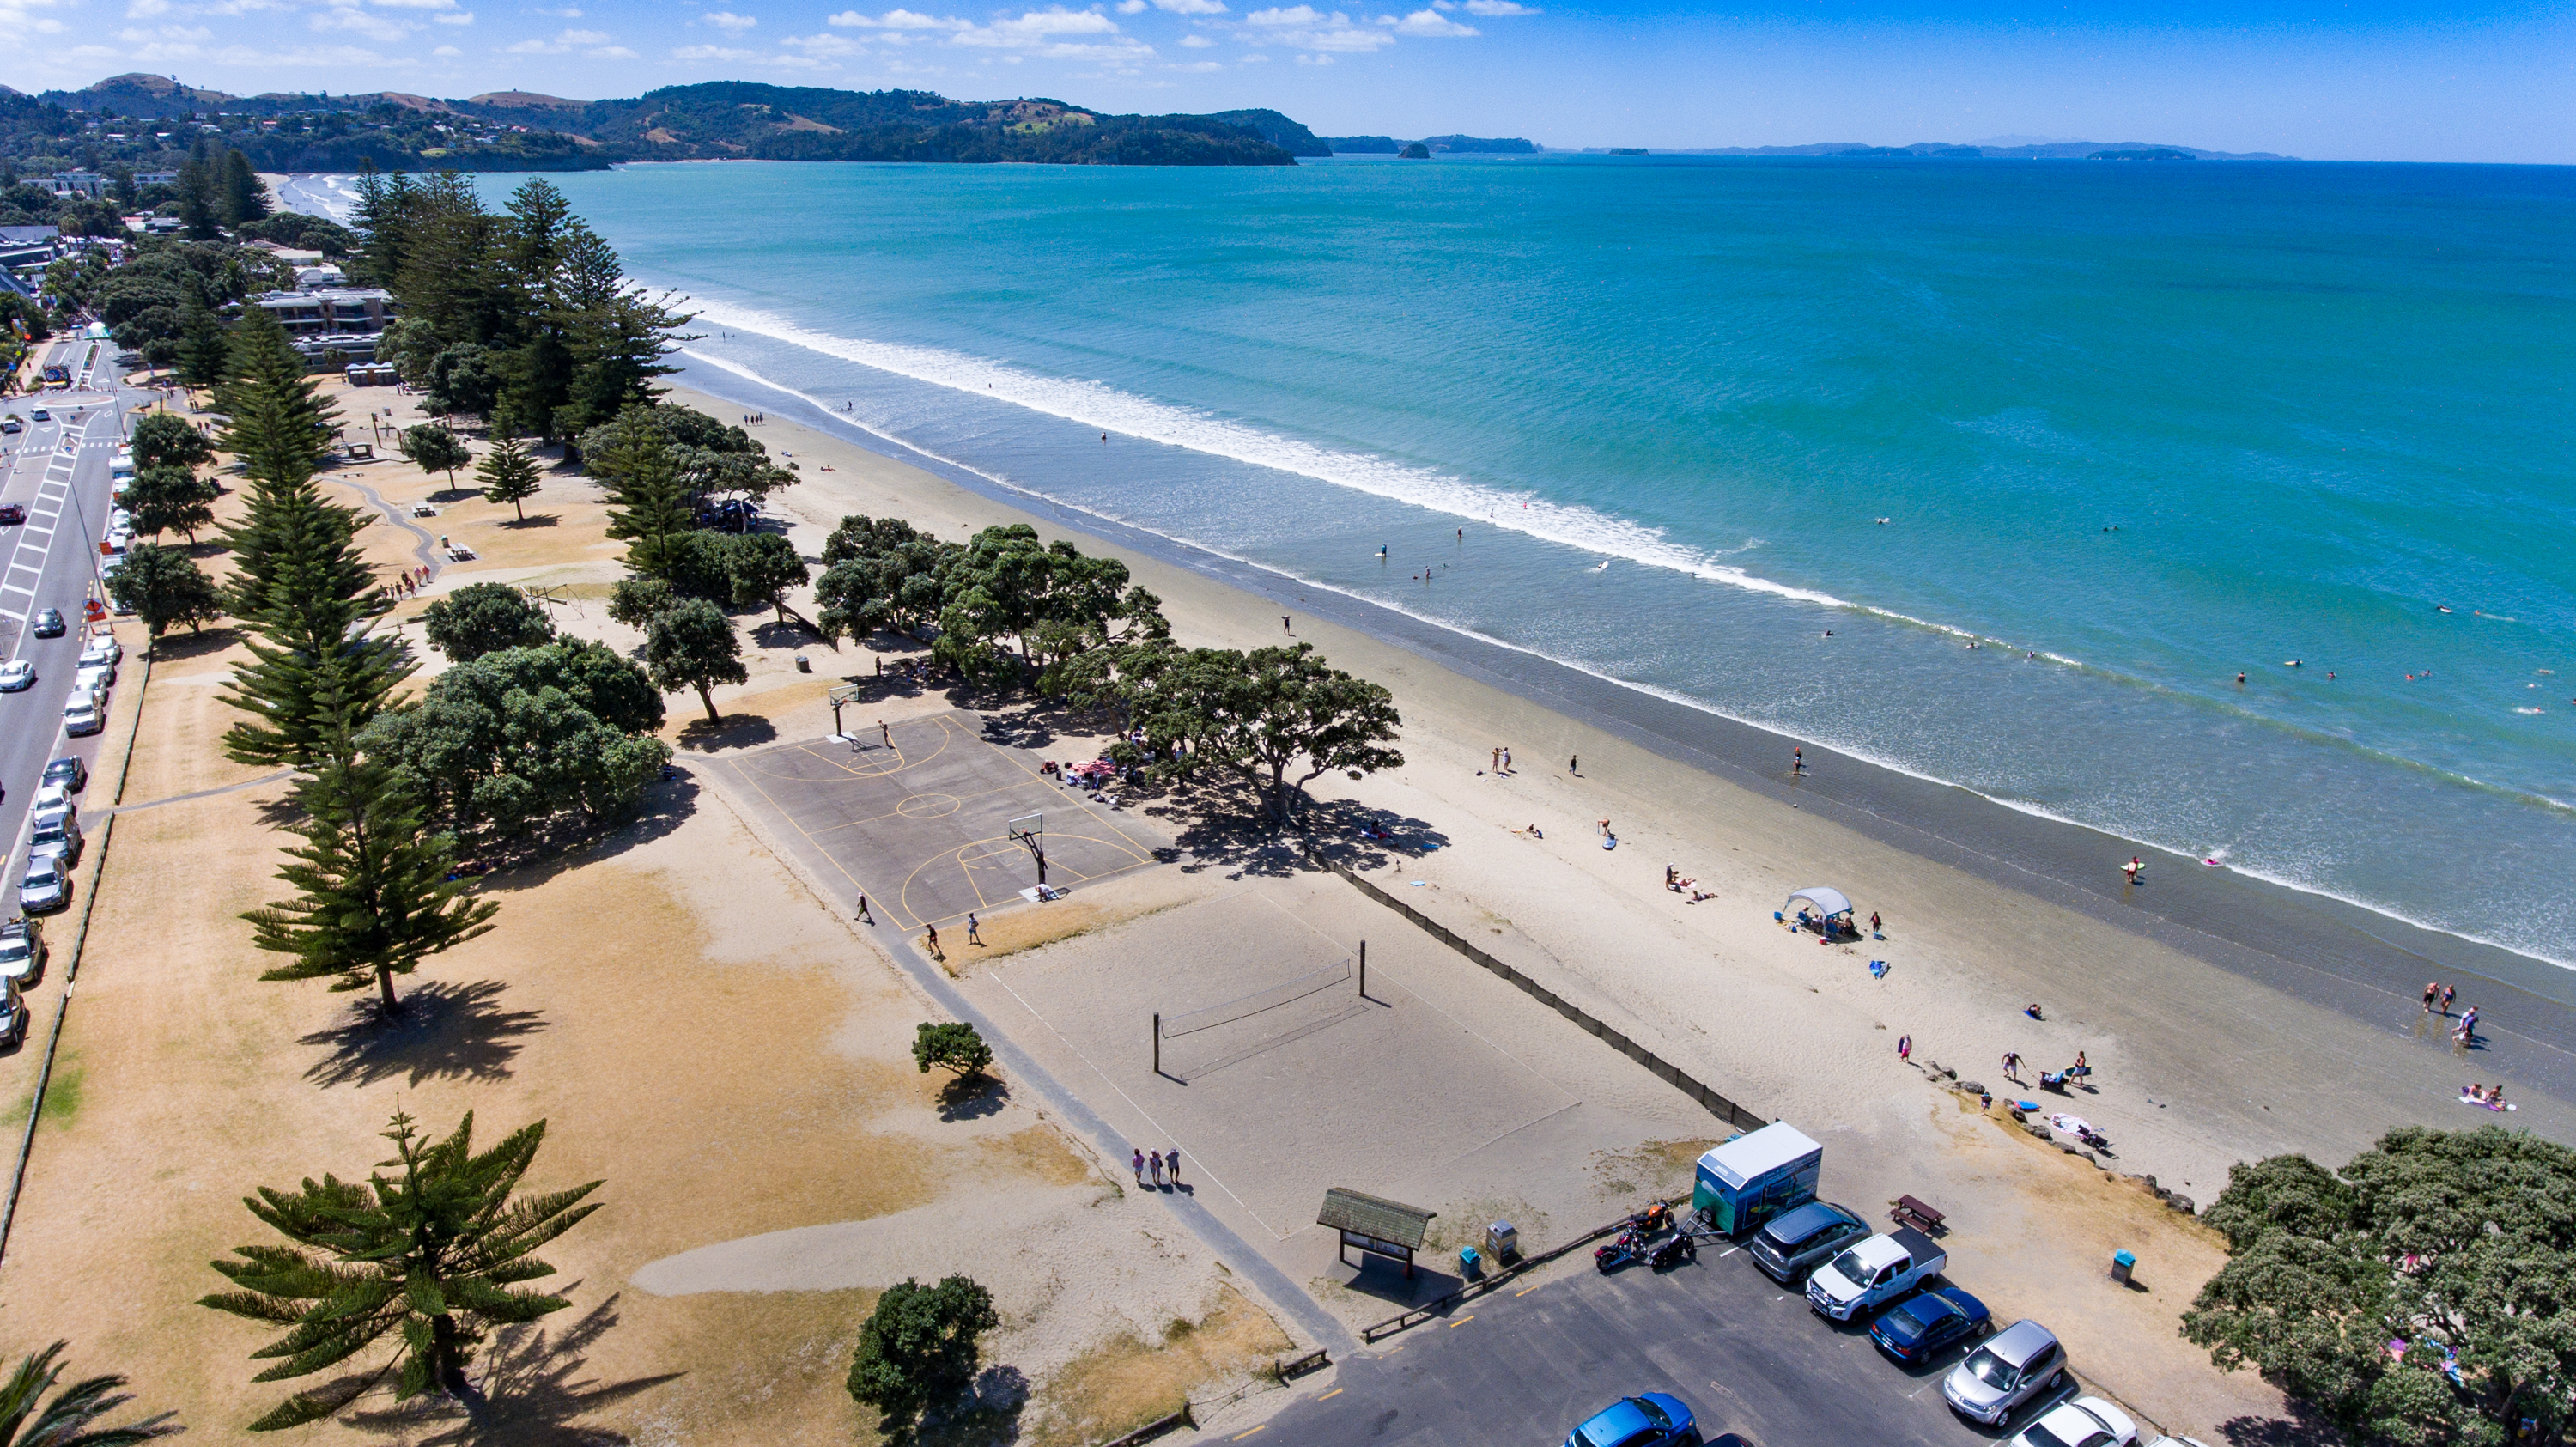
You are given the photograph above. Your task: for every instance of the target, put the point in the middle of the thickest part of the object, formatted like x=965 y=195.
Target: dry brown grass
x=1659 y=1168
x=1125 y=1383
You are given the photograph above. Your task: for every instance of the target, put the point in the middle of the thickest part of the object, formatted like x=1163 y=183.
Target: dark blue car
x=1652 y=1420
x=1917 y=1328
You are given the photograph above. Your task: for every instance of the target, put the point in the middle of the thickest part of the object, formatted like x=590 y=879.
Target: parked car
x=69 y=772
x=13 y=1016
x=2085 y=1422
x=81 y=715
x=11 y=424
x=41 y=415
x=102 y=645
x=22 y=953
x=17 y=675
x=1877 y=1271
x=13 y=513
x=47 y=885
x=49 y=623
x=2006 y=1370
x=1793 y=1244
x=1927 y=1323
x=95 y=678
x=1654 y=1419
x=57 y=831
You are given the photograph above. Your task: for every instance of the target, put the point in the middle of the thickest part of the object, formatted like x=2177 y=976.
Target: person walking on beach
x=2012 y=1067
x=1574 y=764
x=1507 y=758
x=1874 y=926
x=2432 y=992
x=1172 y=1165
x=2081 y=1069
x=1283 y=624
x=863 y=909
x=1154 y=1164
x=1139 y=1165
x=974 y=930
x=2448 y=995
x=2469 y=1024
x=1797 y=761
x=1905 y=1047
x=932 y=939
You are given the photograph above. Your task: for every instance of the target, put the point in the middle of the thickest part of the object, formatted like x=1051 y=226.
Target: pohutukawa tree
x=430 y=1252
x=691 y=644
x=433 y=448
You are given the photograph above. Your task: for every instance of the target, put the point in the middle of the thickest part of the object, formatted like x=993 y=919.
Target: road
x=58 y=470
x=1525 y=1367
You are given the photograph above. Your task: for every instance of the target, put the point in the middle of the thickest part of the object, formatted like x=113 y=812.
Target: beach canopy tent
x=1377 y=1226
x=1827 y=902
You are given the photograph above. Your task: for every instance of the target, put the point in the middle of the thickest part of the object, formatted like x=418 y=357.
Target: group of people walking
x=2438 y=998
x=1165 y=1169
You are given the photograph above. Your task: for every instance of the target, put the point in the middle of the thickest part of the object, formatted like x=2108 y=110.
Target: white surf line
x=2187 y=853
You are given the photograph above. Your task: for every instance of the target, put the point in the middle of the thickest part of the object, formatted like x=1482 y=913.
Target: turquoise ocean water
x=2131 y=428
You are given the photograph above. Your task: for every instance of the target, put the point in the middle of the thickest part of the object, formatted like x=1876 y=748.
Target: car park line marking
x=1335 y=1392
x=1729 y=1251
x=1239 y=1436
x=1526 y=1290
x=1462 y=1321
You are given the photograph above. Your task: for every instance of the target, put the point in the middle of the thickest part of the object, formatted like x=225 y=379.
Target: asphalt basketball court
x=921 y=819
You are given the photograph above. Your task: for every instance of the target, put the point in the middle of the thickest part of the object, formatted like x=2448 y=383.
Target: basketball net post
x=1158 y=1042
x=1364 y=969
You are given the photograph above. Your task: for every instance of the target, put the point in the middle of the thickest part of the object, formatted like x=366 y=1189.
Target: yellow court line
x=1328 y=1396
x=898 y=812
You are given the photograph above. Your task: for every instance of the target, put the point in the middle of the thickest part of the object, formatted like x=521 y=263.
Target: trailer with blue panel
x=1756 y=1176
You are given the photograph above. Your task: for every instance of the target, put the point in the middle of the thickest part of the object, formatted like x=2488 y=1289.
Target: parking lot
x=918 y=817
x=1748 y=1356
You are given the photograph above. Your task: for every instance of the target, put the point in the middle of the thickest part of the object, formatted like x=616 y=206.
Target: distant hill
x=1363 y=145
x=1278 y=130
x=2049 y=150
x=516 y=130
x=1478 y=146
x=804 y=123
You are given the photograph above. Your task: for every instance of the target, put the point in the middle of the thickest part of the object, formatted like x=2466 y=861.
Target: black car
x=69 y=772
x=1922 y=1324
x=49 y=623
x=12 y=513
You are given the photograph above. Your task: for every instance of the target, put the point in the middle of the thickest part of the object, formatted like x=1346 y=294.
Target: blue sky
x=2370 y=81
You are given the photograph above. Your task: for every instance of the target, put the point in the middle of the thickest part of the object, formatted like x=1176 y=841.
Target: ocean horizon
x=1994 y=473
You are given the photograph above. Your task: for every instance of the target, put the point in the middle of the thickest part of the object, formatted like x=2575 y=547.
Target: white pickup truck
x=1875 y=1273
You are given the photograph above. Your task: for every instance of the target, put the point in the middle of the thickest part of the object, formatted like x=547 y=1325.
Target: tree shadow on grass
x=973 y=1097
x=533 y=520
x=988 y=1417
x=528 y=1392
x=662 y=809
x=445 y=1032
x=171 y=647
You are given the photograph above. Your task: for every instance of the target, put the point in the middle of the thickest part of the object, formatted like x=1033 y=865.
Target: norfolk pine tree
x=509 y=474
x=376 y=898
x=649 y=505
x=691 y=644
x=432 y=1255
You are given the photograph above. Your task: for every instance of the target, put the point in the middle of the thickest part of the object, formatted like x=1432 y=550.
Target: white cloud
x=1498 y=7
x=1199 y=65
x=447 y=52
x=461 y=17
x=712 y=52
x=896 y=20
x=146 y=9
x=1314 y=60
x=1131 y=7
x=1431 y=24
x=612 y=52
x=1306 y=28
x=1192 y=7
x=374 y=27
x=1297 y=15
x=1197 y=42
x=823 y=45
x=730 y=23
x=564 y=41
x=1043 y=33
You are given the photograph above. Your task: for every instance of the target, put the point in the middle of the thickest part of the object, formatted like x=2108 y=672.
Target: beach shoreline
x=2365 y=966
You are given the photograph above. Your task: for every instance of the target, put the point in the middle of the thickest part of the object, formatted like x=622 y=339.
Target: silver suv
x=1792 y=1244
x=2011 y=1367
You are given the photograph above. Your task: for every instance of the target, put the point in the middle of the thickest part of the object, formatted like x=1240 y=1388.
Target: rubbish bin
x=2122 y=1263
x=1470 y=1265
x=804 y=664
x=1502 y=1240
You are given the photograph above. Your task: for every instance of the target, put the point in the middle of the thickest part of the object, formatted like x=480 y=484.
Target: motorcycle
x=1617 y=1252
x=1672 y=1251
